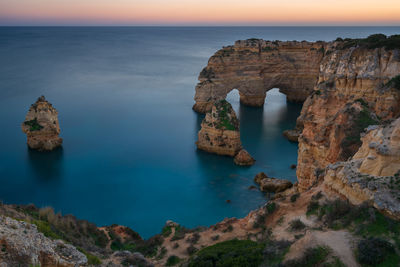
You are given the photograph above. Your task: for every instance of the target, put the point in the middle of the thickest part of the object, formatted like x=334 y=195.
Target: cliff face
x=373 y=173
x=41 y=126
x=255 y=66
x=350 y=95
x=219 y=132
x=22 y=245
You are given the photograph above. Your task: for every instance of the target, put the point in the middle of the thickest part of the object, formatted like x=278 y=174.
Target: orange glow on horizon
x=206 y=12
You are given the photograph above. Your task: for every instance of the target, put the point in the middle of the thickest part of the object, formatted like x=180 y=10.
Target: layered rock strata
x=373 y=173
x=352 y=92
x=41 y=126
x=255 y=66
x=22 y=245
x=219 y=134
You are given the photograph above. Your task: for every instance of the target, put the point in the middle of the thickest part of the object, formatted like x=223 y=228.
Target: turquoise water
x=124 y=97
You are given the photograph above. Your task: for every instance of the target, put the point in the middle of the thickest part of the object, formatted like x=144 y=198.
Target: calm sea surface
x=124 y=97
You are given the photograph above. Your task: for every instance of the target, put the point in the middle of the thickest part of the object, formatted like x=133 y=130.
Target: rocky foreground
x=41 y=126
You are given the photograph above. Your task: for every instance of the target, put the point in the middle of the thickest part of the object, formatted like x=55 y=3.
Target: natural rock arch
x=254 y=67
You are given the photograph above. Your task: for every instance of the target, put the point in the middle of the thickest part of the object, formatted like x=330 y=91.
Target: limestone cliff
x=373 y=173
x=22 y=245
x=255 y=66
x=219 y=132
x=41 y=126
x=352 y=92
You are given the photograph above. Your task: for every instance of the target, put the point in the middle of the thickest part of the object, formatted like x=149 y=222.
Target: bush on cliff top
x=395 y=82
x=371 y=42
x=377 y=252
x=230 y=253
x=223 y=109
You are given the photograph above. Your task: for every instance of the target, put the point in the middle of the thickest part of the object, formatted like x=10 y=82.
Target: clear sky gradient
x=200 y=12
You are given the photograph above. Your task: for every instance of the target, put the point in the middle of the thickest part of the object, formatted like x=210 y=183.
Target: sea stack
x=220 y=133
x=41 y=126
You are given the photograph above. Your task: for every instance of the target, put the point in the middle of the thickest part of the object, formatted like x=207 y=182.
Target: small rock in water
x=243 y=158
x=271 y=184
x=293 y=166
x=228 y=201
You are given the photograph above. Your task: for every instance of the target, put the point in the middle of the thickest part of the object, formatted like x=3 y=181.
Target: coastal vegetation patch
x=34 y=125
x=371 y=42
x=225 y=120
x=394 y=82
x=230 y=253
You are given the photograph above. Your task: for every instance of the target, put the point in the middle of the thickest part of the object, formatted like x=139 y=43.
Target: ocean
x=124 y=97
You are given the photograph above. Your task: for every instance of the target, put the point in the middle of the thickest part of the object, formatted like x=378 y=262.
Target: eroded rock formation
x=22 y=245
x=373 y=173
x=219 y=132
x=269 y=184
x=41 y=126
x=351 y=93
x=255 y=66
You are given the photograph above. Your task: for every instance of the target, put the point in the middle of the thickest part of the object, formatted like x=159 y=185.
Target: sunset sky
x=199 y=12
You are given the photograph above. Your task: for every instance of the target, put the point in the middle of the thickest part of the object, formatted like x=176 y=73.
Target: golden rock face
x=255 y=66
x=348 y=77
x=41 y=126
x=373 y=173
x=219 y=132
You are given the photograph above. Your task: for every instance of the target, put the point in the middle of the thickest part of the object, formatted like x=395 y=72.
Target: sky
x=200 y=12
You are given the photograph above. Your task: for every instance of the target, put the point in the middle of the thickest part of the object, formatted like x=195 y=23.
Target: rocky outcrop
x=22 y=245
x=373 y=173
x=219 y=132
x=255 y=66
x=351 y=93
x=41 y=126
x=268 y=184
x=292 y=135
x=243 y=158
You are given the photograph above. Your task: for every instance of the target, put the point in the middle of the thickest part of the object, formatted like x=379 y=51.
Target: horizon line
x=193 y=26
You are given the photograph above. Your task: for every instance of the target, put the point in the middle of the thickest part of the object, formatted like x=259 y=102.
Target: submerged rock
x=274 y=185
x=243 y=158
x=41 y=126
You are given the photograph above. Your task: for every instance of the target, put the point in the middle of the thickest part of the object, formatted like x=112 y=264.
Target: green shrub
x=180 y=232
x=173 y=260
x=35 y=126
x=297 y=225
x=92 y=259
x=312 y=257
x=312 y=207
x=395 y=82
x=317 y=196
x=223 y=108
x=294 y=197
x=230 y=253
x=374 y=251
x=45 y=228
x=191 y=250
x=373 y=41
x=166 y=231
x=270 y=207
